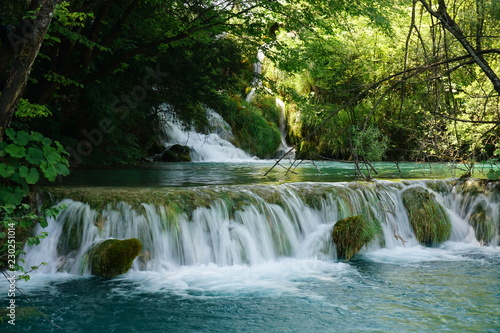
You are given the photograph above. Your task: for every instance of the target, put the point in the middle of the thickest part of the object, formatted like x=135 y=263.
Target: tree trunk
x=33 y=35
x=449 y=24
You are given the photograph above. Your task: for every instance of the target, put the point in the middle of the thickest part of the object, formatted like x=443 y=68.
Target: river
x=228 y=249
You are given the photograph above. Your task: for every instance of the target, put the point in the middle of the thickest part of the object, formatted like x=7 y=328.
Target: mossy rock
x=429 y=220
x=177 y=153
x=483 y=224
x=352 y=233
x=113 y=256
x=439 y=186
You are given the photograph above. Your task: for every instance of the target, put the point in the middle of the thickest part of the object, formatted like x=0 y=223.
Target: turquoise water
x=450 y=289
x=234 y=173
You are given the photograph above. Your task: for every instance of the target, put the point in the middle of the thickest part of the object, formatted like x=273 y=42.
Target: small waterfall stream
x=212 y=147
x=254 y=224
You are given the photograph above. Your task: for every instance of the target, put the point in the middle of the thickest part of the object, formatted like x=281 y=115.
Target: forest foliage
x=363 y=81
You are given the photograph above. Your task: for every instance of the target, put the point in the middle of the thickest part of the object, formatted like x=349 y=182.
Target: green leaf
x=10 y=133
x=49 y=171
x=9 y=209
x=62 y=169
x=493 y=175
x=2 y=234
x=6 y=170
x=60 y=148
x=22 y=138
x=44 y=223
x=37 y=137
x=46 y=141
x=30 y=175
x=3 y=145
x=15 y=150
x=35 y=156
x=51 y=154
x=14 y=196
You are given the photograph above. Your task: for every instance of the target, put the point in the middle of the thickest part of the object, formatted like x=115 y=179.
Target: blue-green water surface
x=455 y=288
x=259 y=171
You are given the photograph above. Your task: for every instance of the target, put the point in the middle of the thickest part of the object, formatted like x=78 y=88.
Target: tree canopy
x=418 y=78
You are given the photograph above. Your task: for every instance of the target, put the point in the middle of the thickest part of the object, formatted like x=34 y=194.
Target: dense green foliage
x=25 y=159
x=387 y=68
x=16 y=229
x=256 y=126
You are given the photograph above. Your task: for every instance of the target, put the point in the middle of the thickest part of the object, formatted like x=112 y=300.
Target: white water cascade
x=257 y=71
x=212 y=147
x=251 y=224
x=284 y=149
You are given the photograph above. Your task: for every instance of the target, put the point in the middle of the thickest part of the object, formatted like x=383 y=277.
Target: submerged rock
x=20 y=313
x=429 y=219
x=113 y=256
x=176 y=153
x=351 y=234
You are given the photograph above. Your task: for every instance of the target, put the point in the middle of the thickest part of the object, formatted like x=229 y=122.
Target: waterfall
x=284 y=148
x=212 y=147
x=256 y=83
x=250 y=224
x=257 y=71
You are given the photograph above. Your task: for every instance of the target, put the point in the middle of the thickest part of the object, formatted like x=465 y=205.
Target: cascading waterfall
x=257 y=83
x=253 y=224
x=257 y=71
x=284 y=148
x=212 y=147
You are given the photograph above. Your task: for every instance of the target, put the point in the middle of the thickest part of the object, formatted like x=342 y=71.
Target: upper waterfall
x=214 y=146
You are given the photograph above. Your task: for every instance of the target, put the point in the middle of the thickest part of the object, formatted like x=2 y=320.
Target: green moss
x=352 y=233
x=113 y=256
x=254 y=133
x=439 y=186
x=429 y=220
x=22 y=313
x=483 y=224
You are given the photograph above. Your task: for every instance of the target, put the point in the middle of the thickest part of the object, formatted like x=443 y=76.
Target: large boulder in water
x=483 y=223
x=176 y=153
x=352 y=233
x=429 y=219
x=113 y=256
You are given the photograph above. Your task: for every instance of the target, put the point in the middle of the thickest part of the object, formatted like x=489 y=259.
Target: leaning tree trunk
x=27 y=51
x=449 y=24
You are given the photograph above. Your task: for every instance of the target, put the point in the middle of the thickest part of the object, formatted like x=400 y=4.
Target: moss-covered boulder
x=177 y=153
x=352 y=233
x=429 y=219
x=483 y=224
x=113 y=256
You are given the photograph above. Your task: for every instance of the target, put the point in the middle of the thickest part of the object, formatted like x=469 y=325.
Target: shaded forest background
x=365 y=80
